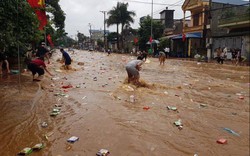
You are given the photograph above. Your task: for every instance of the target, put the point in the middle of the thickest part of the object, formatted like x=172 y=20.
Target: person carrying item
x=133 y=67
x=66 y=58
x=38 y=66
x=167 y=50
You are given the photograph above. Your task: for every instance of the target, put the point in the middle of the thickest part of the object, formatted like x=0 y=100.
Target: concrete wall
x=218 y=13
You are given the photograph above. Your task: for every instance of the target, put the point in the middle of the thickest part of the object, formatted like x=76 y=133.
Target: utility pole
x=104 y=31
x=209 y=31
x=151 y=25
x=90 y=37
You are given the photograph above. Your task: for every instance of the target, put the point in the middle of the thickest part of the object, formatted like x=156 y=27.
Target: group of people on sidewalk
x=221 y=55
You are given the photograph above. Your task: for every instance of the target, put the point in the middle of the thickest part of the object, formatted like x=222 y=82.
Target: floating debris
x=102 y=152
x=48 y=135
x=67 y=86
x=241 y=97
x=146 y=108
x=132 y=98
x=55 y=78
x=231 y=131
x=221 y=141
x=178 y=122
x=203 y=105
x=25 y=151
x=171 y=108
x=38 y=147
x=73 y=139
x=84 y=97
x=55 y=112
x=44 y=124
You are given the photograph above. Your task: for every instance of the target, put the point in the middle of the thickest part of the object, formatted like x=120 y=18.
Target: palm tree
x=125 y=17
x=120 y=15
x=114 y=18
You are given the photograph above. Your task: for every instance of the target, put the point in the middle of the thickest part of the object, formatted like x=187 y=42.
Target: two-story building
x=230 y=26
x=194 y=34
x=217 y=23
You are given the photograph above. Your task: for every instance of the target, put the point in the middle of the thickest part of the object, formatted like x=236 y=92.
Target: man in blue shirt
x=66 y=58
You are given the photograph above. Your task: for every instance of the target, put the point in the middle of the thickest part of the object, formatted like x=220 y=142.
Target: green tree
x=120 y=15
x=126 y=17
x=144 y=31
x=81 y=37
x=114 y=19
x=100 y=43
x=164 y=43
x=56 y=21
x=19 y=26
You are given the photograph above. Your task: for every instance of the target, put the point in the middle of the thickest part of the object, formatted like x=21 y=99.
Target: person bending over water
x=133 y=67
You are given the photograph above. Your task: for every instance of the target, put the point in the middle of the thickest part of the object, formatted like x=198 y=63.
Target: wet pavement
x=212 y=103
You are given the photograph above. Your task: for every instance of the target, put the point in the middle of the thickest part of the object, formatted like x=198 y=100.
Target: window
x=195 y=19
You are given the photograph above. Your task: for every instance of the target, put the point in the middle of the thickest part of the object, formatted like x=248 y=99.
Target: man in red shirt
x=38 y=66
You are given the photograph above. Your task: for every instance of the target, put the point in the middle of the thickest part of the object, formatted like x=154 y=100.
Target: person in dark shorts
x=109 y=52
x=42 y=51
x=234 y=54
x=142 y=56
x=3 y=59
x=145 y=55
x=66 y=58
x=133 y=67
x=38 y=66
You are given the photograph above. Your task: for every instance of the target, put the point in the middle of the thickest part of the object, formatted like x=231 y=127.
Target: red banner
x=150 y=39
x=39 y=6
x=183 y=37
x=135 y=40
x=50 y=40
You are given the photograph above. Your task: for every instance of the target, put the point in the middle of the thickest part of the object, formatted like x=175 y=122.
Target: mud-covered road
x=210 y=99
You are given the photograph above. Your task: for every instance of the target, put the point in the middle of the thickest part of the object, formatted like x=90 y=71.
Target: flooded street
x=95 y=106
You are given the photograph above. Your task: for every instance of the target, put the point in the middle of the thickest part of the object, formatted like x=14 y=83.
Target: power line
x=157 y=11
x=143 y=2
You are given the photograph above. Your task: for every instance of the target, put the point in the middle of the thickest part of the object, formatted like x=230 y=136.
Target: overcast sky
x=79 y=13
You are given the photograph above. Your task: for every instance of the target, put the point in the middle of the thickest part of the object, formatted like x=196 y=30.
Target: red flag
x=34 y=3
x=183 y=37
x=50 y=40
x=150 y=39
x=135 y=40
x=39 y=6
x=41 y=15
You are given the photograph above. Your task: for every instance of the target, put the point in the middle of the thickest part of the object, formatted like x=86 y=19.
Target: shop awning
x=189 y=35
x=168 y=37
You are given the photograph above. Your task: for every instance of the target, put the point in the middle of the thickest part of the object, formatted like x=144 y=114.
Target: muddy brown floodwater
x=97 y=109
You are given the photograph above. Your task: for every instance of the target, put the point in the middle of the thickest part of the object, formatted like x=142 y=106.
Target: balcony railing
x=193 y=28
x=234 y=19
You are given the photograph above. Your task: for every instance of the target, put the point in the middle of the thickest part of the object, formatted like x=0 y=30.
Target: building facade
x=230 y=26
x=212 y=26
